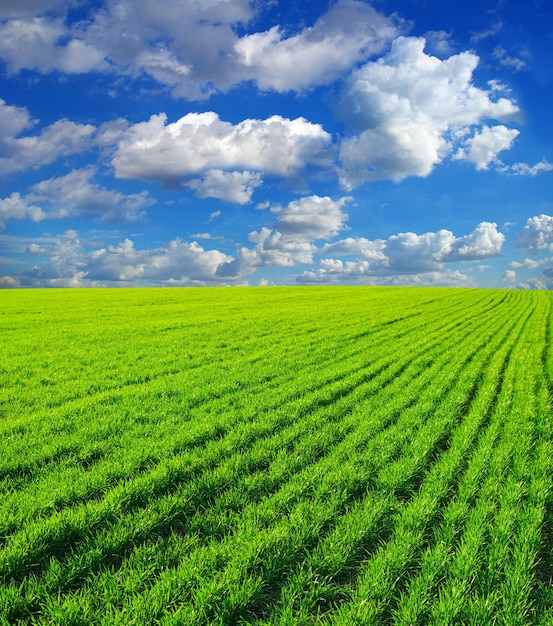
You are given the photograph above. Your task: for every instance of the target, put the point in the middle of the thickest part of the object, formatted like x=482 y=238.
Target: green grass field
x=284 y=456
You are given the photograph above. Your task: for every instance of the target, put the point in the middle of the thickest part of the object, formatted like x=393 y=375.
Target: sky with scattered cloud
x=235 y=142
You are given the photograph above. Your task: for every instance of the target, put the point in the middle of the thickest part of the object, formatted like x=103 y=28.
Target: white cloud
x=405 y=258
x=406 y=254
x=545 y=281
x=439 y=42
x=509 y=276
x=78 y=57
x=22 y=8
x=513 y=64
x=537 y=234
x=75 y=195
x=8 y=282
x=65 y=266
x=482 y=243
x=290 y=241
x=71 y=262
x=349 y=32
x=528 y=264
x=245 y=263
x=208 y=236
x=178 y=261
x=30 y=43
x=372 y=250
x=17 y=208
x=15 y=245
x=313 y=217
x=188 y=46
x=391 y=152
x=192 y=47
x=411 y=110
x=200 y=142
x=62 y=138
x=446 y=278
x=482 y=149
x=13 y=120
x=163 y=66
x=495 y=28
x=273 y=248
x=523 y=169
x=336 y=272
x=110 y=133
x=235 y=187
x=39 y=43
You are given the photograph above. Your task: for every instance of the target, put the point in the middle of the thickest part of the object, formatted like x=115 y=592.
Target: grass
x=276 y=456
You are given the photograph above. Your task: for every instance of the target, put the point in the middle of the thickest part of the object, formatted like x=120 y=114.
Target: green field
x=281 y=456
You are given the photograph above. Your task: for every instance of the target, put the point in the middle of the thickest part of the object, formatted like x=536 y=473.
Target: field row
x=276 y=456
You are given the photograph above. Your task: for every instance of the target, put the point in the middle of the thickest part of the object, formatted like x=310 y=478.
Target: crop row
x=344 y=456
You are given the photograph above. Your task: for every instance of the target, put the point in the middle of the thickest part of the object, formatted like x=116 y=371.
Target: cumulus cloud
x=406 y=258
x=40 y=43
x=356 y=246
x=410 y=253
x=13 y=120
x=189 y=46
x=22 y=8
x=439 y=42
x=405 y=254
x=290 y=241
x=349 y=32
x=202 y=143
x=178 y=261
x=411 y=110
x=235 y=187
x=509 y=276
x=337 y=272
x=17 y=208
x=446 y=278
x=274 y=248
x=8 y=282
x=537 y=235
x=72 y=262
x=64 y=267
x=482 y=149
x=192 y=47
x=482 y=243
x=313 y=217
x=528 y=264
x=544 y=281
x=60 y=139
x=73 y=195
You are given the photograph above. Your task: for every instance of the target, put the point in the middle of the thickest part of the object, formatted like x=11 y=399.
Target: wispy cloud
x=493 y=30
x=512 y=63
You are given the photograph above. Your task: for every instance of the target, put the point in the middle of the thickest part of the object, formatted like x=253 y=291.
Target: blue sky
x=233 y=142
